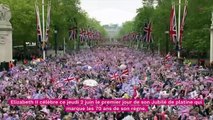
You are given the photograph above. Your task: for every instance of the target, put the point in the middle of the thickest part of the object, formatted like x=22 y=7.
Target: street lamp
x=56 y=45
x=211 y=42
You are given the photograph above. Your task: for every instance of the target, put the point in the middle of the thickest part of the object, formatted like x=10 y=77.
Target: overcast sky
x=111 y=11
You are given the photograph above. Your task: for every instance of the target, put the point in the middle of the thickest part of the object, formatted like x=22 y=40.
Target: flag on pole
x=38 y=24
x=48 y=22
x=114 y=76
x=82 y=35
x=183 y=23
x=95 y=35
x=73 y=33
x=70 y=34
x=85 y=36
x=98 y=36
x=91 y=34
x=173 y=26
x=148 y=33
x=88 y=34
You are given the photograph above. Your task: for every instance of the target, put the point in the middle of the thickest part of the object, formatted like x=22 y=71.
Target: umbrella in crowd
x=128 y=118
x=90 y=83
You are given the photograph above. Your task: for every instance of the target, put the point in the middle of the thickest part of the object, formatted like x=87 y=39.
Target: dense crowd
x=120 y=73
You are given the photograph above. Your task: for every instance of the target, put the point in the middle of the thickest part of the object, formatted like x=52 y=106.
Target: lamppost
x=43 y=31
x=211 y=41
x=178 y=40
x=56 y=43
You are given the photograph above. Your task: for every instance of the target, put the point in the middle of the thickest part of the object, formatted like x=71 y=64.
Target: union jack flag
x=90 y=34
x=72 y=33
x=82 y=35
x=173 y=26
x=70 y=78
x=48 y=22
x=49 y=95
x=38 y=24
x=114 y=76
x=182 y=24
x=148 y=33
x=58 y=84
x=86 y=34
x=27 y=114
x=54 y=116
x=125 y=72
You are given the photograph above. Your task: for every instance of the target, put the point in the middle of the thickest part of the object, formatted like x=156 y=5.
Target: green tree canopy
x=196 y=30
x=64 y=14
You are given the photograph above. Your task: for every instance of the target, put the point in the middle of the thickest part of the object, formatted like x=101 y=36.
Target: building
x=112 y=31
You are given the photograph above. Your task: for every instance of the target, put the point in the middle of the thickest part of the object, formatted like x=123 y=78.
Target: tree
x=64 y=14
x=127 y=27
x=196 y=29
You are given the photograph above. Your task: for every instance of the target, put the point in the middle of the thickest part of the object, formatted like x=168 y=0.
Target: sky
x=111 y=11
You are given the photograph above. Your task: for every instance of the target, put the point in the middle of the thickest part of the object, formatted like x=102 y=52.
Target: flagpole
x=211 y=42
x=178 y=41
x=44 y=36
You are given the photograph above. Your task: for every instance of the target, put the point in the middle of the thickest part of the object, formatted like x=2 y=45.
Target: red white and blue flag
x=48 y=22
x=91 y=34
x=173 y=26
x=82 y=37
x=114 y=76
x=70 y=78
x=168 y=57
x=73 y=33
x=125 y=72
x=125 y=37
x=38 y=24
x=148 y=33
x=183 y=23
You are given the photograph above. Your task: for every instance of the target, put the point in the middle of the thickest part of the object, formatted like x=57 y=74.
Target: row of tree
x=196 y=36
x=65 y=14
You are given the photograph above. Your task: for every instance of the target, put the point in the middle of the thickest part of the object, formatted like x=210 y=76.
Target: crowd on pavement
x=121 y=73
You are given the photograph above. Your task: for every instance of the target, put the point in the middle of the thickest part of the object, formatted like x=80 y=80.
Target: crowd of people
x=120 y=72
